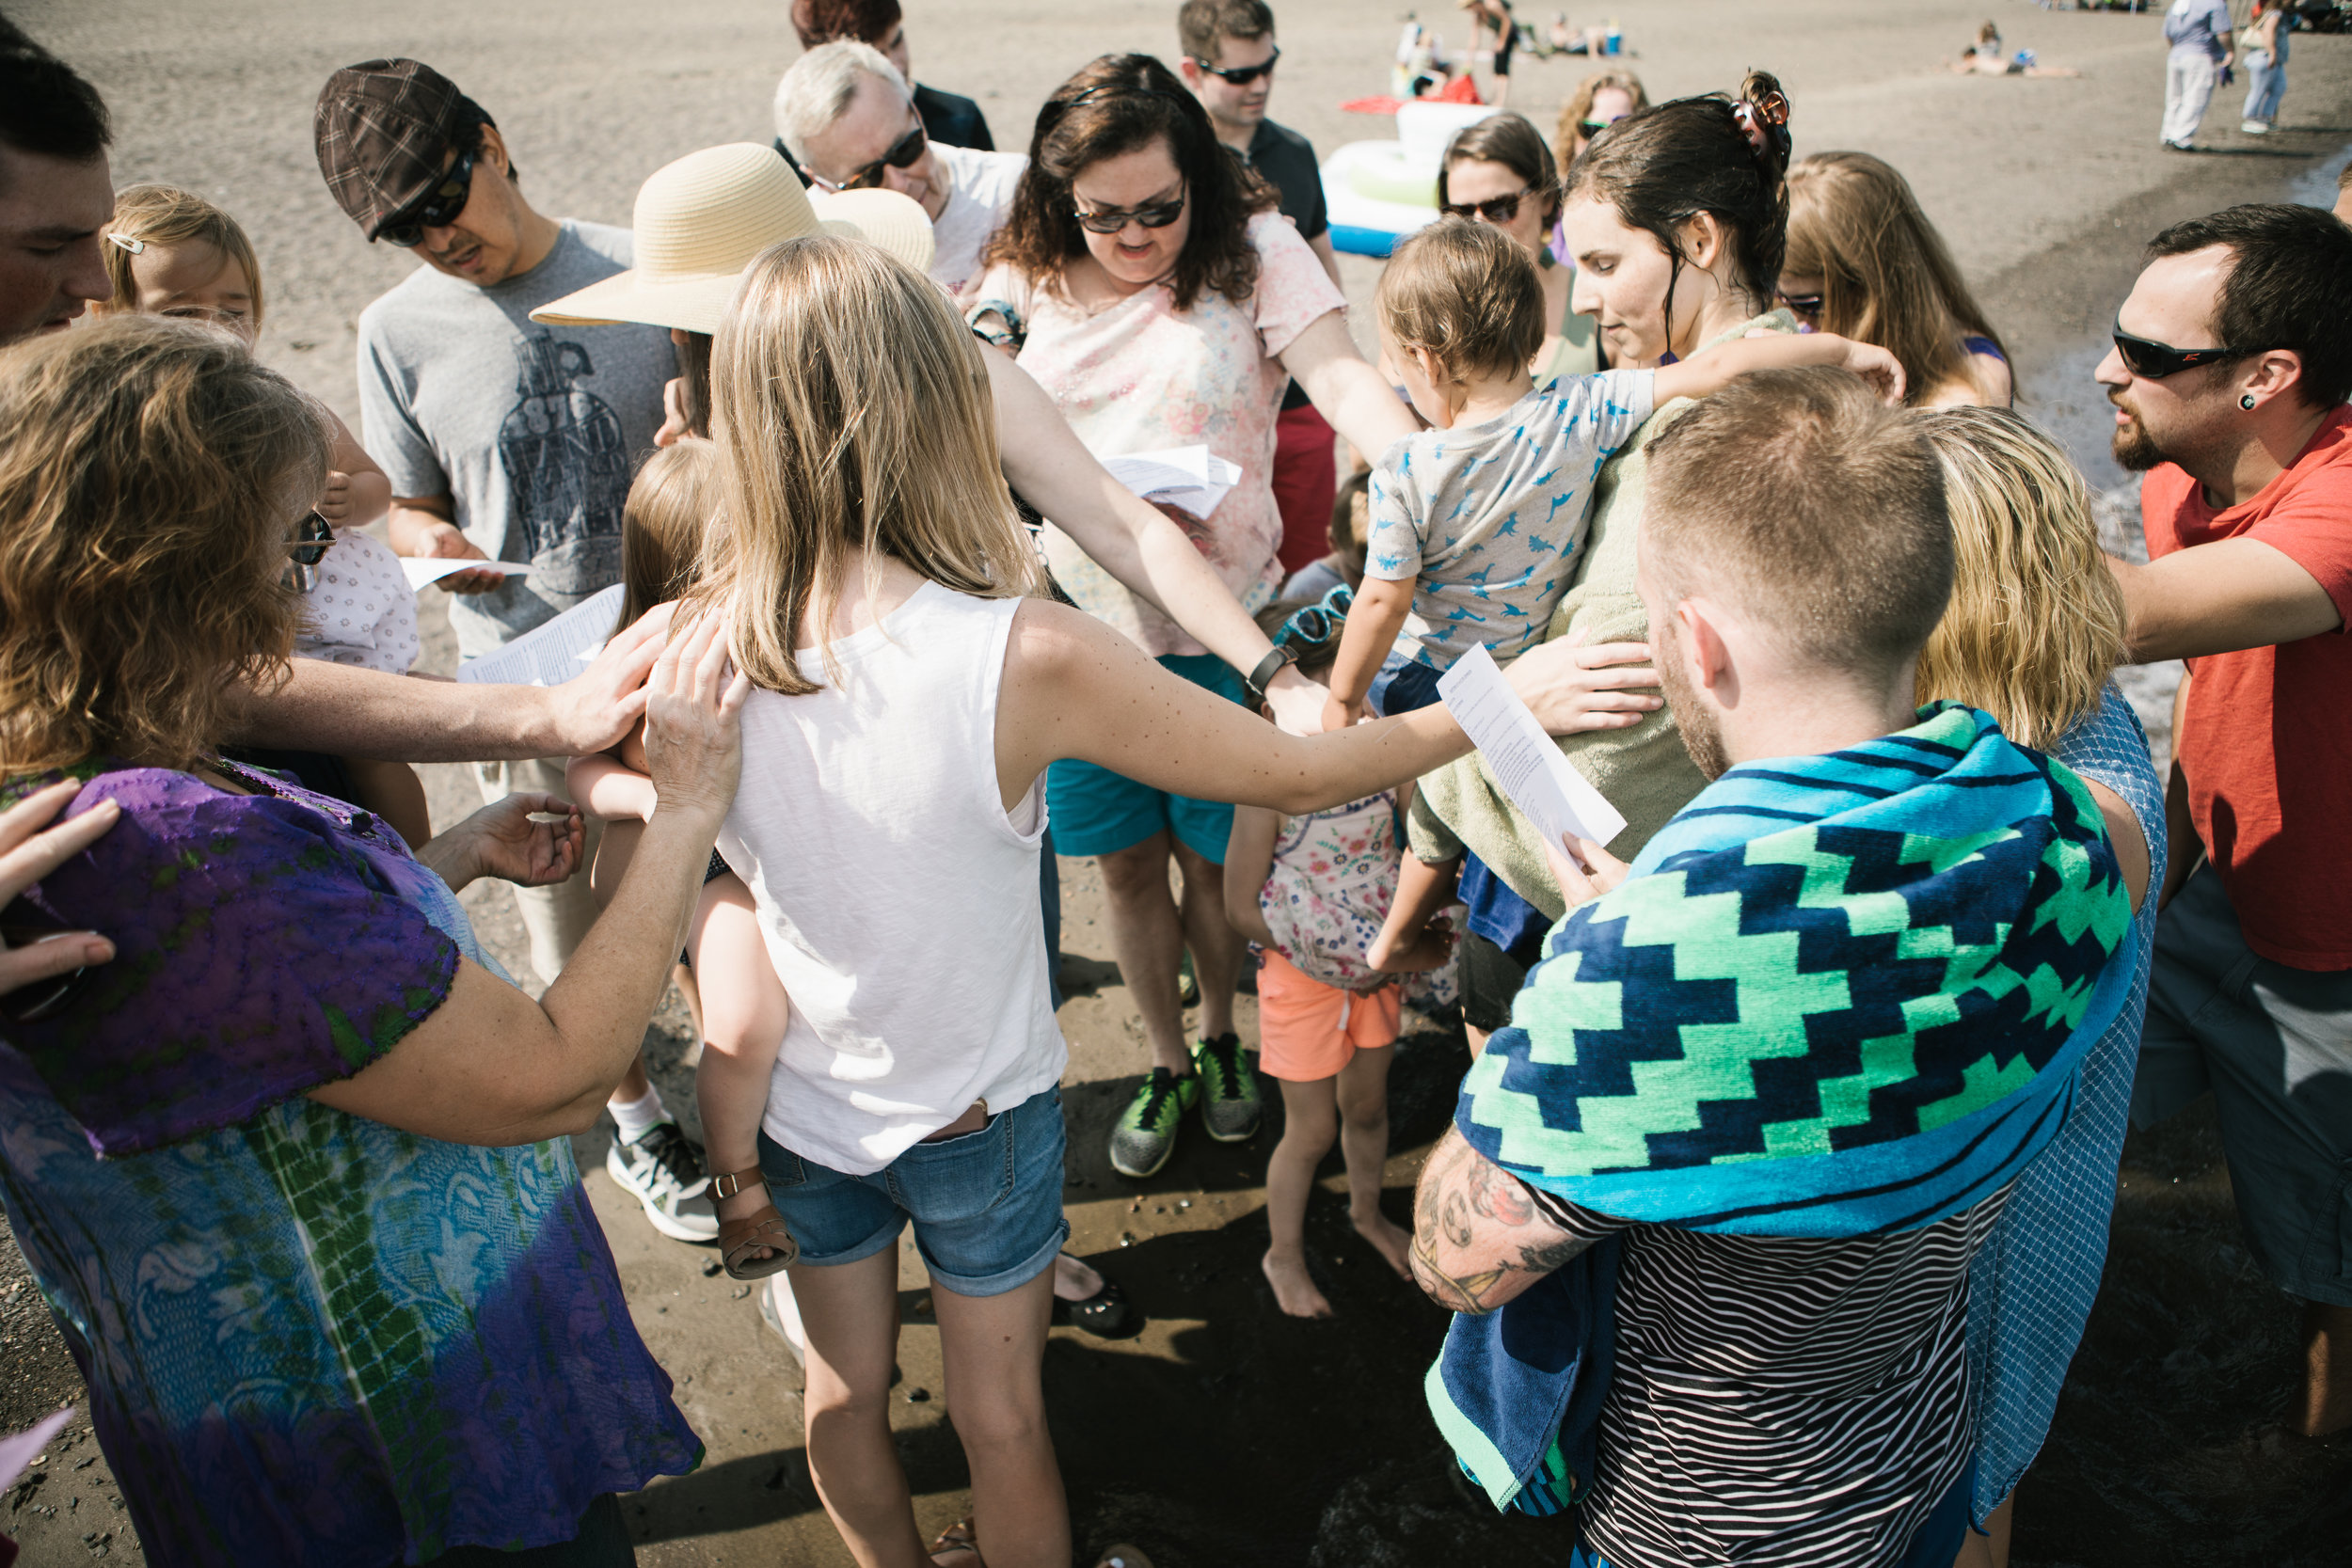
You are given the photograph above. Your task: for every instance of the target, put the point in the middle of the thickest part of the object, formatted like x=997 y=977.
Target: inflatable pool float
x=1377 y=192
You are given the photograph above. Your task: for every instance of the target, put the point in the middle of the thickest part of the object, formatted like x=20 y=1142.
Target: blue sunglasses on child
x=1318 y=624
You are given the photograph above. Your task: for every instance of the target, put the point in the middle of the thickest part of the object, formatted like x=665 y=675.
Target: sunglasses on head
x=1498 y=208
x=2154 y=361
x=437 y=208
x=903 y=153
x=1240 y=75
x=1318 y=624
x=1111 y=220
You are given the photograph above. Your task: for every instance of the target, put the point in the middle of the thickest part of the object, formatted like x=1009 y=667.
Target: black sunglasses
x=2153 y=361
x=1113 y=220
x=437 y=208
x=1242 y=76
x=45 y=999
x=1500 y=209
x=902 y=154
x=1594 y=127
x=1803 y=307
x=1318 y=624
x=308 y=547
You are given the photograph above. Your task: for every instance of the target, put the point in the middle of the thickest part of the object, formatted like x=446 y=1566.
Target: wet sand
x=1224 y=1434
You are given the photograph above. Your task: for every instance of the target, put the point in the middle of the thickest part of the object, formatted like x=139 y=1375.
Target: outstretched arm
x=1478 y=1238
x=1704 y=375
x=2221 y=597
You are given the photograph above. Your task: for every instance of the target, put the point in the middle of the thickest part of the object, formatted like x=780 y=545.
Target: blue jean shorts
x=986 y=1204
x=1097 y=811
x=1402 y=686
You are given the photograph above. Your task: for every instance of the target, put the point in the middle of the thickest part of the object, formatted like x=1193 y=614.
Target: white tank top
x=898 y=899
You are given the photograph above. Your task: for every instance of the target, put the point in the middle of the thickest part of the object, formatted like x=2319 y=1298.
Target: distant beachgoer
x=2198 y=32
x=2233 y=360
x=1782 y=1281
x=54 y=136
x=1228 y=62
x=1147 y=282
x=507 y=442
x=2034 y=628
x=847 y=122
x=948 y=119
x=1493 y=18
x=1599 y=101
x=2264 y=54
x=1865 y=261
x=172 y=253
x=295 y=1170
x=1990 y=56
x=1497 y=171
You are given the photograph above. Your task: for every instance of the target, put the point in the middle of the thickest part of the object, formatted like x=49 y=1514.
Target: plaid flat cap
x=381 y=129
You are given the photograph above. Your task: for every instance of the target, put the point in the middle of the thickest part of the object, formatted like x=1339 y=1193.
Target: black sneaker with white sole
x=662 y=1169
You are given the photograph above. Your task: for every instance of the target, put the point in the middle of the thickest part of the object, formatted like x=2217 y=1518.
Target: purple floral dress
x=308 y=1338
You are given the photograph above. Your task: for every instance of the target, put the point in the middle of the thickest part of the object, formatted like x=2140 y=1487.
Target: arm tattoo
x=1465 y=1214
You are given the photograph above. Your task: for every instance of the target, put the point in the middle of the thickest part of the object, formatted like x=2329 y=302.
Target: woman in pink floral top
x=1147 y=283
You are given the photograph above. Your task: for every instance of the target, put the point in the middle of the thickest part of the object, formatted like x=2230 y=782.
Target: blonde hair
x=166 y=216
x=852 y=412
x=1886 y=276
x=2036 y=622
x=152 y=473
x=1468 y=293
x=664 y=525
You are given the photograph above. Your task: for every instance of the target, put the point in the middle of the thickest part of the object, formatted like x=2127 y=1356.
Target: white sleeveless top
x=898 y=899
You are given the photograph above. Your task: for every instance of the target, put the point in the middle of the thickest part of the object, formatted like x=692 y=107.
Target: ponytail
x=1664 y=165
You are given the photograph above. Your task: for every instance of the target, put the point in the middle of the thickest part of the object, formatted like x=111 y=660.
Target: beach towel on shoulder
x=1835 y=996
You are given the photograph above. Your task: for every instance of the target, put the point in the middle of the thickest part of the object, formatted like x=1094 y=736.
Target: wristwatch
x=1277 y=659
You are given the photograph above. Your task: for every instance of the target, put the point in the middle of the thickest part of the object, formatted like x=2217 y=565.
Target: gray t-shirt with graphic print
x=533 y=432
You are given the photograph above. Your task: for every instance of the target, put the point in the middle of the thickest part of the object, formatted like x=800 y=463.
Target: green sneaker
x=1230 y=1108
x=1145 y=1134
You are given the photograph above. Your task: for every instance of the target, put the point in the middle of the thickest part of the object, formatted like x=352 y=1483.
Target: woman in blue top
x=2034 y=628
x=1865 y=262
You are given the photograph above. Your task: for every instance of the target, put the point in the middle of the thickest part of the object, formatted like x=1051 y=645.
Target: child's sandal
x=762 y=1228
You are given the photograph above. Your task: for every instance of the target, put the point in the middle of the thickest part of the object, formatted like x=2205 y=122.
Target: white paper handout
x=1193 y=478
x=552 y=654
x=1538 y=779
x=422 y=571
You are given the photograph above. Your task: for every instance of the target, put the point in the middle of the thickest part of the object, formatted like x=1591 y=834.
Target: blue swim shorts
x=1097 y=811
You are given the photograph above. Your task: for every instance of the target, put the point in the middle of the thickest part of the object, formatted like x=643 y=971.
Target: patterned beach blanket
x=1836 y=996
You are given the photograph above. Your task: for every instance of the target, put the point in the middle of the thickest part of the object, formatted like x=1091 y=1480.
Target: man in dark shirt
x=1228 y=61
x=956 y=121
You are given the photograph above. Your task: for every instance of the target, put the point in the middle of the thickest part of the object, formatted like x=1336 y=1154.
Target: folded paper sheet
x=1540 y=780
x=552 y=654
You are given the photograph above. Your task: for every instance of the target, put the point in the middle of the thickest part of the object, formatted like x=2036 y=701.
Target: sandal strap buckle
x=735 y=1182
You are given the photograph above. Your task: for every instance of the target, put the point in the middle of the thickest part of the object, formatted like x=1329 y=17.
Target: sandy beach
x=1225 y=1435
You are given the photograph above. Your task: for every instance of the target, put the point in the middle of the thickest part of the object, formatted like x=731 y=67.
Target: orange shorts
x=1308 y=1030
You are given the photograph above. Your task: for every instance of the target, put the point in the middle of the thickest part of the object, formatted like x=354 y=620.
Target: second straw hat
x=701 y=220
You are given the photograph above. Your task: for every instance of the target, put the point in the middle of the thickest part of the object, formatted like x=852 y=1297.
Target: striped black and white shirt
x=1777 y=1402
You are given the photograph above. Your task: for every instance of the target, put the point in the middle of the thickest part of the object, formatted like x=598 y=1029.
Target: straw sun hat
x=701 y=220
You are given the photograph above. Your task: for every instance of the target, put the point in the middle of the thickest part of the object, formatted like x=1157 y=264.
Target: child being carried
x=1475 y=524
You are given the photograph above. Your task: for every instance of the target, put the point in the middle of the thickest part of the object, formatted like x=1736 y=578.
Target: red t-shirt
x=2266 y=742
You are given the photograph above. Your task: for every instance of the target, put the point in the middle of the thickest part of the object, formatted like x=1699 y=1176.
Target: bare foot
x=1294 y=1291
x=1074 y=1280
x=1393 y=1241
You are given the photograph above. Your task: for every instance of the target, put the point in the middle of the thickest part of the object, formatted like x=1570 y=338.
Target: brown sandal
x=765 y=1228
x=959 y=1538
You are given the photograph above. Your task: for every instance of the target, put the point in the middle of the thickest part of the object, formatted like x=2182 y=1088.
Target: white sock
x=636 y=1117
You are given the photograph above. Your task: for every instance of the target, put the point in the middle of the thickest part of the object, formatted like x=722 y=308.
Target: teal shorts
x=1097 y=811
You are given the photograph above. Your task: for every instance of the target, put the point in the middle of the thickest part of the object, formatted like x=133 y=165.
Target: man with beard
x=1707 y=1211
x=506 y=440
x=2232 y=359
x=55 y=193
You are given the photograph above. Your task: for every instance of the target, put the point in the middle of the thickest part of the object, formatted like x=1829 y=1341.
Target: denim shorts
x=986 y=1204
x=1402 y=686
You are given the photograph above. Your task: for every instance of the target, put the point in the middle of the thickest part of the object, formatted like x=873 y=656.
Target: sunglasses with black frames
x=307 y=549
x=903 y=153
x=1495 y=209
x=441 y=205
x=1240 y=75
x=1111 y=220
x=2154 y=361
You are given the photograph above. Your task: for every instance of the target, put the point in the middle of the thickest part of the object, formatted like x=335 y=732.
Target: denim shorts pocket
x=779 y=1165
x=959 y=1177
